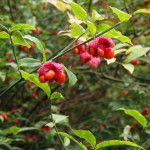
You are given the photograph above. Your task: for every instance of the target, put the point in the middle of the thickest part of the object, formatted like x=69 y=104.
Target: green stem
x=12 y=45
x=10 y=10
x=55 y=125
x=9 y=88
x=90 y=4
x=90 y=39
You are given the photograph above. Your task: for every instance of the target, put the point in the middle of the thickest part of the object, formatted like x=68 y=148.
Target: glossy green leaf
x=59 y=118
x=38 y=45
x=22 y=27
x=70 y=137
x=147 y=11
x=79 y=12
x=137 y=53
x=4 y=35
x=35 y=80
x=96 y=16
x=121 y=15
x=116 y=142
x=14 y=130
x=113 y=33
x=91 y=27
x=23 y=129
x=2 y=119
x=129 y=67
x=76 y=30
x=87 y=135
x=66 y=141
x=29 y=62
x=18 y=39
x=136 y=115
x=56 y=95
x=72 y=77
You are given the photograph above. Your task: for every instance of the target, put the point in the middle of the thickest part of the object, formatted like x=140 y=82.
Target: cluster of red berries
x=27 y=137
x=51 y=71
x=45 y=128
x=135 y=62
x=103 y=4
x=5 y=117
x=145 y=111
x=99 y=47
x=24 y=48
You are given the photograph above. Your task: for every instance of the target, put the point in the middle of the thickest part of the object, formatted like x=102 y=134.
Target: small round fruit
x=100 y=52
x=109 y=53
x=42 y=79
x=91 y=51
x=49 y=75
x=76 y=51
x=60 y=77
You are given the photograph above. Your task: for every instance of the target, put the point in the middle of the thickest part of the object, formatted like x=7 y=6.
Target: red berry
x=100 y=52
x=60 y=77
x=26 y=137
x=135 y=62
x=55 y=32
x=145 y=3
x=142 y=23
x=135 y=20
x=49 y=75
x=44 y=6
x=33 y=94
x=45 y=51
x=32 y=47
x=99 y=127
x=76 y=51
x=34 y=138
x=13 y=110
x=4 y=116
x=145 y=111
x=22 y=110
x=58 y=109
x=14 y=105
x=36 y=31
x=24 y=48
x=9 y=79
x=42 y=79
x=15 y=121
x=29 y=84
x=92 y=51
x=123 y=94
x=109 y=53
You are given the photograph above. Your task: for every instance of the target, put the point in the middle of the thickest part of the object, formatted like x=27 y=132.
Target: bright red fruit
x=32 y=47
x=33 y=94
x=85 y=57
x=122 y=93
x=99 y=127
x=100 y=52
x=135 y=62
x=44 y=6
x=13 y=111
x=14 y=105
x=60 y=77
x=142 y=23
x=145 y=111
x=42 y=79
x=80 y=49
x=15 y=121
x=9 y=79
x=49 y=75
x=34 y=138
x=24 y=48
x=26 y=137
x=45 y=51
x=55 y=32
x=109 y=53
x=145 y=3
x=36 y=31
x=58 y=109
x=4 y=116
x=29 y=84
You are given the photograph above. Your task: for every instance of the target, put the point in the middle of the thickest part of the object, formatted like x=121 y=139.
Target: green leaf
x=129 y=67
x=121 y=15
x=91 y=27
x=70 y=137
x=59 y=118
x=79 y=12
x=113 y=33
x=72 y=77
x=14 y=130
x=96 y=16
x=116 y=142
x=136 y=115
x=87 y=135
x=29 y=62
x=22 y=27
x=51 y=124
x=4 y=35
x=142 y=11
x=2 y=119
x=137 y=53
x=18 y=39
x=57 y=95
x=35 y=80
x=66 y=141
x=38 y=45
x=23 y=129
x=76 y=30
